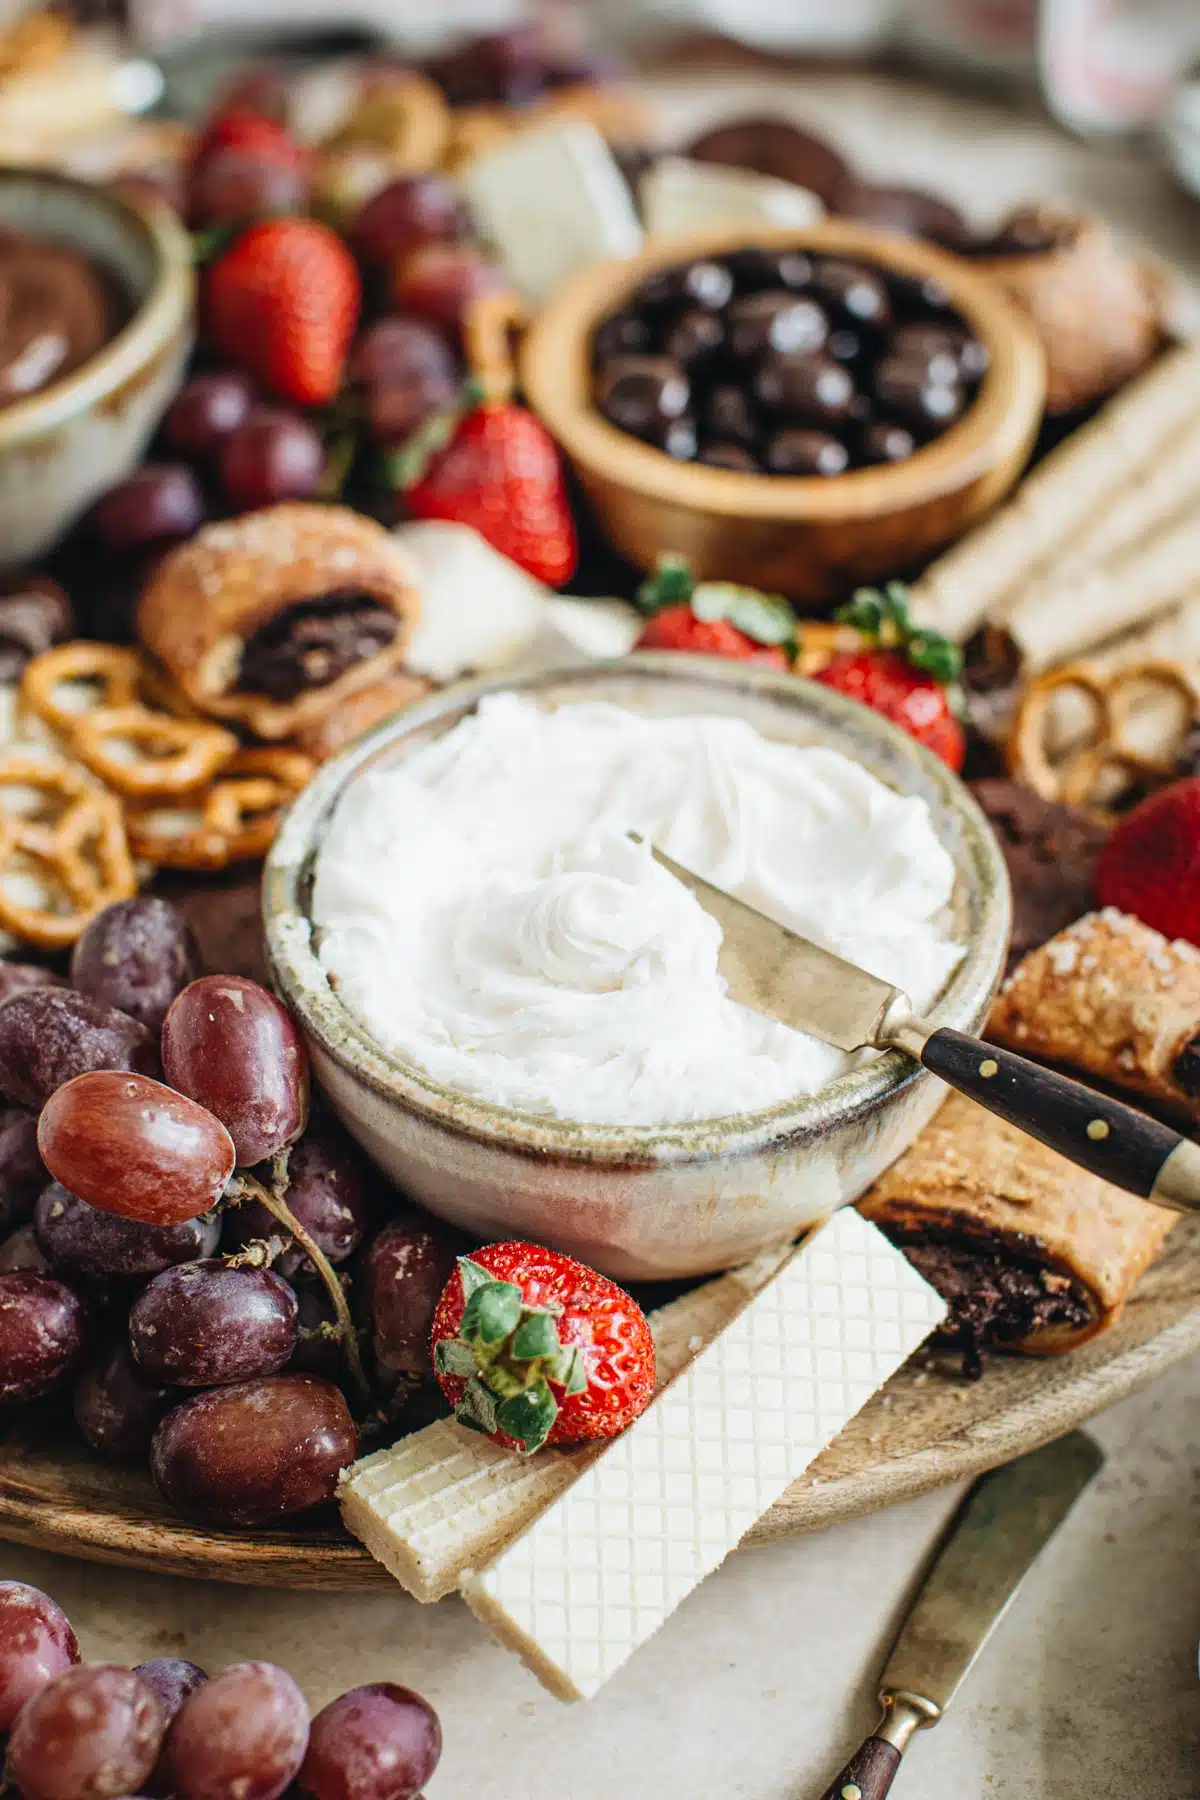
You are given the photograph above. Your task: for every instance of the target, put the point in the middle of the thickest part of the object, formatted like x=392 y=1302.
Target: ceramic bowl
x=810 y=537
x=638 y=1203
x=62 y=447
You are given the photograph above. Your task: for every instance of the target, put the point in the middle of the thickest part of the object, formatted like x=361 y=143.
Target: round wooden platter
x=927 y=1427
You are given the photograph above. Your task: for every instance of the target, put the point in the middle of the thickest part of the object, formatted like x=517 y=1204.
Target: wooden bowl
x=810 y=537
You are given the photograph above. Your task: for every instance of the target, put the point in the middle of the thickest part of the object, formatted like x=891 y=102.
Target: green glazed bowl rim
x=982 y=892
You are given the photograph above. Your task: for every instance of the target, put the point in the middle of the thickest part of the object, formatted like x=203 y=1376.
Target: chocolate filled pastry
x=774 y=147
x=323 y=737
x=1096 y=309
x=274 y=619
x=1031 y=1253
x=1111 y=999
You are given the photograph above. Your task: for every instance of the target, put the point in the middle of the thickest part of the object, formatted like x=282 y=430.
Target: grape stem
x=245 y=1187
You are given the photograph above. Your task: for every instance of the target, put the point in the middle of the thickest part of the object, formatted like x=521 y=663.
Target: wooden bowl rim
x=998 y=424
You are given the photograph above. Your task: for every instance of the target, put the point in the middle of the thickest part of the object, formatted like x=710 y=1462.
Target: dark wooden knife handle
x=1114 y=1141
x=868 y=1775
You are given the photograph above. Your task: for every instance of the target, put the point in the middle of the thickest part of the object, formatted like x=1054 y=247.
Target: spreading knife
x=777 y=972
x=997 y=1534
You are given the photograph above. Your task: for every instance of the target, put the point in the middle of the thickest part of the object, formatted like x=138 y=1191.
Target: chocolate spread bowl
x=64 y=444
x=639 y=1203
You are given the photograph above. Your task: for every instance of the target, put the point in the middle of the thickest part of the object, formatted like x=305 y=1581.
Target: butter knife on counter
x=777 y=972
x=1002 y=1526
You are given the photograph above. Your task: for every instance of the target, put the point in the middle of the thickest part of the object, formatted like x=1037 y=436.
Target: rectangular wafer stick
x=979 y=576
x=660 y=1507
x=446 y=1499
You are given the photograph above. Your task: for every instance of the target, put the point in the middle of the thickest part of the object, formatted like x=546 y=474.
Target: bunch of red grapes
x=150 y=1115
x=225 y=447
x=79 y=1731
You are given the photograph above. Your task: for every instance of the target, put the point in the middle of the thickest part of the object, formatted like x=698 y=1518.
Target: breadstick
x=972 y=581
x=1062 y=617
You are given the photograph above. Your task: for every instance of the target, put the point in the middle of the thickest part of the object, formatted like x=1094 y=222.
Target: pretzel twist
x=1078 y=777
x=75 y=839
x=236 y=818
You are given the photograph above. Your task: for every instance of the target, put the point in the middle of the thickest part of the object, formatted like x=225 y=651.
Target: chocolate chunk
x=773 y=147
x=996 y=1295
x=1051 y=852
x=803 y=451
x=729 y=415
x=775 y=321
x=641 y=394
x=810 y=388
x=734 y=457
x=695 y=337
x=756 y=268
x=35 y=614
x=856 y=294
x=313 y=643
x=882 y=442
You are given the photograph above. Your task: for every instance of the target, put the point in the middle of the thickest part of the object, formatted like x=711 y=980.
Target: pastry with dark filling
x=1031 y=1253
x=1111 y=999
x=273 y=620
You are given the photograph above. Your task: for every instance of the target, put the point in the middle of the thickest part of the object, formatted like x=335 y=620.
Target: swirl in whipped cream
x=482 y=911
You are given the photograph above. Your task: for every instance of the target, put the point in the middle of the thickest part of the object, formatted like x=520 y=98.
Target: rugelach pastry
x=273 y=619
x=1030 y=1252
x=1111 y=999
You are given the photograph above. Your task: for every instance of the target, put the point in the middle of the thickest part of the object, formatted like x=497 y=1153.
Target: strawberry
x=1150 y=866
x=500 y=473
x=906 y=673
x=715 y=618
x=283 y=302
x=678 y=628
x=534 y=1348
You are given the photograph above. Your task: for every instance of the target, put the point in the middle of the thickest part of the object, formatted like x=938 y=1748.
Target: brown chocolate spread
x=57 y=309
x=314 y=642
x=995 y=1297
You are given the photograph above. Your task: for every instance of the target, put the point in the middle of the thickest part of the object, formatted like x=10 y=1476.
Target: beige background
x=762 y=1682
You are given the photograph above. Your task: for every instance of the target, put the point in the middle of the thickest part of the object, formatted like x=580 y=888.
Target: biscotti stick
x=1060 y=617
x=1167 y=489
x=972 y=581
x=603 y=1567
x=1033 y=1253
x=446 y=1499
x=1110 y=998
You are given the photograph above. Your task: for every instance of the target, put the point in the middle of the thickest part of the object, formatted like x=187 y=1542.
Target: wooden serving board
x=926 y=1428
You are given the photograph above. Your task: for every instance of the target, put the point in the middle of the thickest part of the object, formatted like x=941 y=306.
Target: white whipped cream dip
x=482 y=912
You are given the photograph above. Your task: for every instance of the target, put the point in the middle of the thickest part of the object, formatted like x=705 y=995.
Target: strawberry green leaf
x=477 y=1408
x=536 y=1335
x=571 y=1373
x=492 y=1312
x=472 y=1275
x=766 y=618
x=528 y=1418
x=884 y=620
x=670 y=585
x=452 y=1357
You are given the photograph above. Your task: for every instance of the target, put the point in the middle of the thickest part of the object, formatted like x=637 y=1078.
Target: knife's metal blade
x=776 y=972
x=1003 y=1524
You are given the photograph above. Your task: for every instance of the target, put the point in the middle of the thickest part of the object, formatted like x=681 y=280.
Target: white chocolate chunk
x=446 y=1499
x=479 y=610
x=550 y=201
x=602 y=1568
x=679 y=196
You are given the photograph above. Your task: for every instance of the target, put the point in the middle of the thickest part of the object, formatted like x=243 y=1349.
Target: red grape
x=36 y=1644
x=234 y=185
x=21 y=1254
x=92 y=1734
x=404 y=1273
x=255 y=1452
x=204 y=412
x=229 y=1044
x=80 y=1239
x=240 y=1736
x=22 y=1172
x=15 y=976
x=318 y=1340
x=205 y=1324
x=50 y=1035
x=324 y=1191
x=407 y=371
x=416 y=210
x=43 y=1336
x=159 y=504
x=378 y=1742
x=272 y=456
x=117 y=1409
x=440 y=281
x=132 y=1146
x=172 y=1679
x=136 y=955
